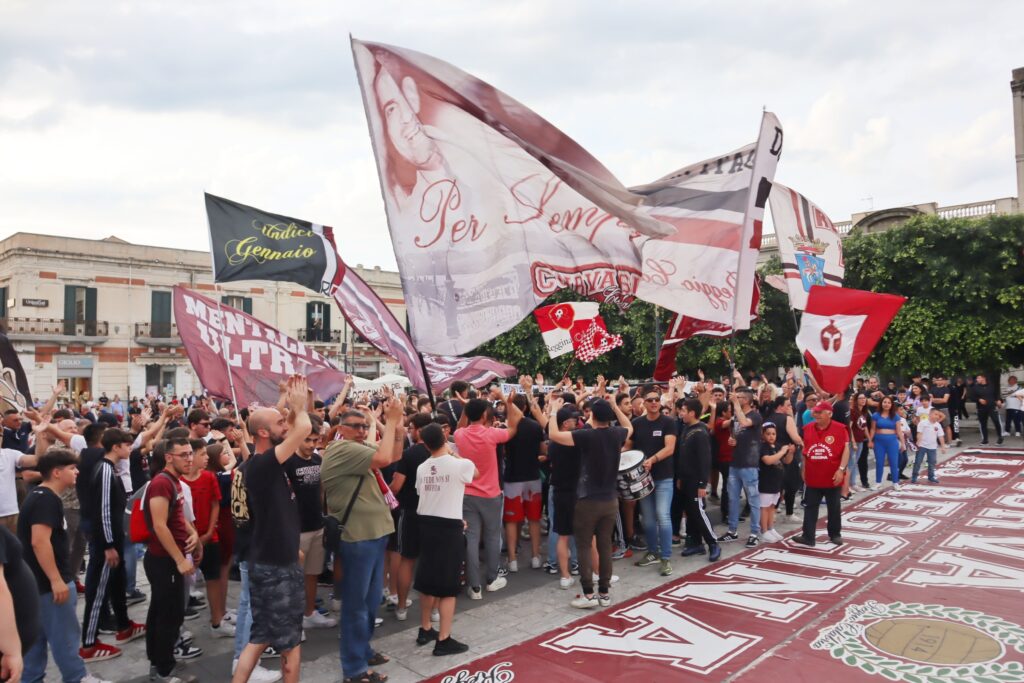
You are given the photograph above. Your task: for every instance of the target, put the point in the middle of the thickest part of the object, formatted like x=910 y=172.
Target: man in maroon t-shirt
x=166 y=562
x=826 y=452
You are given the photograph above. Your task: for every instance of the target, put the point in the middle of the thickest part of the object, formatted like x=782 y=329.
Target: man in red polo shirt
x=826 y=452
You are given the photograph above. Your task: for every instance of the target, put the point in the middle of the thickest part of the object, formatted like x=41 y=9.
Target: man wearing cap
x=826 y=452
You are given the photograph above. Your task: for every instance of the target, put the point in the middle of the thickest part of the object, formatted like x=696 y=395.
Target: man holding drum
x=597 y=504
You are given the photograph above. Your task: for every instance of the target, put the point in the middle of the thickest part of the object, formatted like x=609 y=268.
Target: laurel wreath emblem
x=851 y=650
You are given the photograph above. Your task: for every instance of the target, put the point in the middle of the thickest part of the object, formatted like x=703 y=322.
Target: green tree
x=964 y=283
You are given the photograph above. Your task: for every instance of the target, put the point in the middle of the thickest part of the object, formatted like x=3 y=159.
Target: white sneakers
x=259 y=674
x=565 y=583
x=583 y=602
x=224 y=630
x=535 y=563
x=435 y=615
x=770 y=536
x=317 y=620
x=615 y=579
x=474 y=593
x=401 y=614
x=497 y=584
x=89 y=678
x=513 y=566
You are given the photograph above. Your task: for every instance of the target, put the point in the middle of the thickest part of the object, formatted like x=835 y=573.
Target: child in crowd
x=930 y=436
x=770 y=479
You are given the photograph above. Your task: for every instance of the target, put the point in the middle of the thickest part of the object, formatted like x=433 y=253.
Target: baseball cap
x=822 y=407
x=566 y=413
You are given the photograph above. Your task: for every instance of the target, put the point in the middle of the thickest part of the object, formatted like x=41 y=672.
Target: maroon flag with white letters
x=232 y=350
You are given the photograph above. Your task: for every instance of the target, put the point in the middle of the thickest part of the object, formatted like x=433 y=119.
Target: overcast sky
x=116 y=116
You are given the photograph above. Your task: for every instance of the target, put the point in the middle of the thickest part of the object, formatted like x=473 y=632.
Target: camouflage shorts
x=277 y=599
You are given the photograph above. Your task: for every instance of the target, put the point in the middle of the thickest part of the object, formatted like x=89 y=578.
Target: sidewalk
x=532 y=604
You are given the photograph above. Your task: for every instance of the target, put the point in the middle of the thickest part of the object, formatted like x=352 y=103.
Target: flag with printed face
x=492 y=209
x=839 y=330
x=809 y=244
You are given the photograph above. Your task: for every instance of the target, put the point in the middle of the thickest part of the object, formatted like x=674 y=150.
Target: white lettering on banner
x=845 y=567
x=1006 y=546
x=941 y=492
x=194 y=308
x=965 y=573
x=1013 y=501
x=496 y=674
x=997 y=518
x=975 y=460
x=869 y=520
x=255 y=349
x=938 y=508
x=1019 y=487
x=881 y=545
x=662 y=633
x=749 y=595
x=957 y=473
x=281 y=361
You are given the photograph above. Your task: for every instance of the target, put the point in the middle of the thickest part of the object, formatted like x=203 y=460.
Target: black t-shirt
x=939 y=393
x=781 y=433
x=600 y=450
x=453 y=409
x=841 y=412
x=87 y=461
x=304 y=476
x=274 y=512
x=770 y=477
x=138 y=468
x=649 y=437
x=565 y=467
x=748 y=442
x=521 y=451
x=23 y=588
x=43 y=506
x=412 y=458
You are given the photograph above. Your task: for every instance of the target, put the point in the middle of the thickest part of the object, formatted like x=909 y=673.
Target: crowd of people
x=382 y=495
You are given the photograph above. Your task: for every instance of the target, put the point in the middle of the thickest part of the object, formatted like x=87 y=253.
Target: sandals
x=378 y=659
x=367 y=677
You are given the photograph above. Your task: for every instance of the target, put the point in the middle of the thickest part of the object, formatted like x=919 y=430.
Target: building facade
x=98 y=314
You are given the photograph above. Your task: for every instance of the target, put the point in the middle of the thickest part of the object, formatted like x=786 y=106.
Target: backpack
x=139 y=529
x=239 y=500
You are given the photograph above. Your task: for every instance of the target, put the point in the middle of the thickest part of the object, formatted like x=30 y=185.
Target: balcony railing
x=165 y=331
x=36 y=328
x=313 y=335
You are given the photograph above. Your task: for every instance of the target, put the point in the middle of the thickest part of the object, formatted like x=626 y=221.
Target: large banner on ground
x=492 y=209
x=228 y=347
x=927 y=588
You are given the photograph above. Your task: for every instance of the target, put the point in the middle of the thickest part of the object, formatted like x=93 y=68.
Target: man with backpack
x=171 y=537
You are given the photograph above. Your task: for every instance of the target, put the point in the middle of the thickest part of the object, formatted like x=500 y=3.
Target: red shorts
x=523 y=500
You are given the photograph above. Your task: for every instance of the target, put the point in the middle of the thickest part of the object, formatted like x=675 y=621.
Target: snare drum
x=634 y=482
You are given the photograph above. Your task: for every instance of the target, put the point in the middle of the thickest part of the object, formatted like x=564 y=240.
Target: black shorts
x=442 y=552
x=210 y=566
x=565 y=504
x=407 y=528
x=393 y=536
x=278 y=601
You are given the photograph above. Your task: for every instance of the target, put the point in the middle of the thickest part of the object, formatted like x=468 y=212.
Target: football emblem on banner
x=915 y=642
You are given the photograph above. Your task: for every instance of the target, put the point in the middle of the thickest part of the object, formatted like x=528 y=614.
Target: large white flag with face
x=492 y=209
x=809 y=244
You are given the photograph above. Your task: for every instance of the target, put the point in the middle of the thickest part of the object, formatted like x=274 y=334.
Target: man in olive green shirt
x=364 y=539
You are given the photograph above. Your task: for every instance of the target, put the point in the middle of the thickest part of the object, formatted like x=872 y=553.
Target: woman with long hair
x=887 y=438
x=860 y=425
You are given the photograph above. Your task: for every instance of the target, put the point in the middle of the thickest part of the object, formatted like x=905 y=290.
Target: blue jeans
x=657 y=513
x=553 y=537
x=61 y=633
x=922 y=453
x=744 y=478
x=131 y=554
x=243 y=615
x=362 y=585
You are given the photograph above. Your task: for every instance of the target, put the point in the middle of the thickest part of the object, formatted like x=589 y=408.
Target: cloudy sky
x=116 y=116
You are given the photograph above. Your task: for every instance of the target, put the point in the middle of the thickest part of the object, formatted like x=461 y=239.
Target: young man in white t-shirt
x=930 y=436
x=441 y=483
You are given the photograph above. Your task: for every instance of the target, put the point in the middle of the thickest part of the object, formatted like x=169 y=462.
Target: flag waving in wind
x=809 y=244
x=250 y=244
x=839 y=330
x=492 y=209
x=575 y=326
